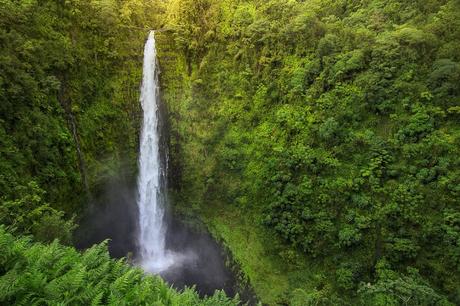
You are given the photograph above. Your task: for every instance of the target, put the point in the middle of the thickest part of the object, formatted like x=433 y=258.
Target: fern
x=37 y=274
x=97 y=300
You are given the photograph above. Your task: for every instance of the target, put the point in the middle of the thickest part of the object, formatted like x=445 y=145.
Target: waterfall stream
x=152 y=171
x=133 y=217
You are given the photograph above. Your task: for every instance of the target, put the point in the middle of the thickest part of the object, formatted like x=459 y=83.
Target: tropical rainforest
x=317 y=140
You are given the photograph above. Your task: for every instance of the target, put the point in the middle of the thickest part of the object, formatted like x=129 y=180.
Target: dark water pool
x=114 y=216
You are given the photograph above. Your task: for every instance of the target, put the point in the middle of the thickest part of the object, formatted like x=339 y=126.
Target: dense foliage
x=334 y=123
x=330 y=128
x=69 y=120
x=35 y=274
x=69 y=111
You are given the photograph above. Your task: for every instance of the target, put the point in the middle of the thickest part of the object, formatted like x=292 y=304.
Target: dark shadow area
x=202 y=261
x=113 y=215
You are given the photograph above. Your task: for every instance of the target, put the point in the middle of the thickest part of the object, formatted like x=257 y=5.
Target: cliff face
x=323 y=134
x=70 y=114
x=319 y=139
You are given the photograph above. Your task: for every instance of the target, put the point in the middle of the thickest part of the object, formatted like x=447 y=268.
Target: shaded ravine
x=136 y=219
x=114 y=217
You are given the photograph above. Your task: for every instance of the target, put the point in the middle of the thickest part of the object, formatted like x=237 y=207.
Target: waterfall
x=152 y=171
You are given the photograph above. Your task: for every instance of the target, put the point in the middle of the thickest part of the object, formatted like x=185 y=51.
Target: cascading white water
x=152 y=171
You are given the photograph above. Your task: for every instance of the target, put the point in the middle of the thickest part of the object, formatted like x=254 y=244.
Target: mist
x=201 y=261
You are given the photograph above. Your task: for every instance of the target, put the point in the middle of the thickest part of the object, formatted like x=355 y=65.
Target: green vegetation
x=318 y=139
x=35 y=274
x=69 y=120
x=322 y=137
x=69 y=79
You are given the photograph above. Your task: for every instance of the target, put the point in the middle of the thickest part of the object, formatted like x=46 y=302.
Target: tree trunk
x=66 y=104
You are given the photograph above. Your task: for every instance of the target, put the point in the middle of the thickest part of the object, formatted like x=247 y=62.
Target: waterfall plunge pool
x=205 y=263
x=135 y=219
